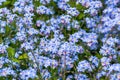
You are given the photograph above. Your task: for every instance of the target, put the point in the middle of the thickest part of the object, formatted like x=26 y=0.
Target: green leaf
x=2 y=78
x=11 y=52
x=72 y=4
x=16 y=60
x=81 y=15
x=36 y=3
x=12 y=2
x=1 y=39
x=23 y=56
x=98 y=55
x=7 y=32
x=7 y=3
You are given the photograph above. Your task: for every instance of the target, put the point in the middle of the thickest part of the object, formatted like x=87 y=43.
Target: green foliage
x=54 y=72
x=81 y=15
x=11 y=52
x=8 y=3
x=8 y=30
x=2 y=78
x=23 y=56
x=1 y=38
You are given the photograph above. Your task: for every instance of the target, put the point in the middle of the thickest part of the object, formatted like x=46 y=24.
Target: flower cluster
x=60 y=39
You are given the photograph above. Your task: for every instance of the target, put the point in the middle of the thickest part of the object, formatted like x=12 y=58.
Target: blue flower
x=27 y=74
x=84 y=66
x=81 y=77
x=94 y=60
x=3 y=48
x=73 y=11
x=44 y=10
